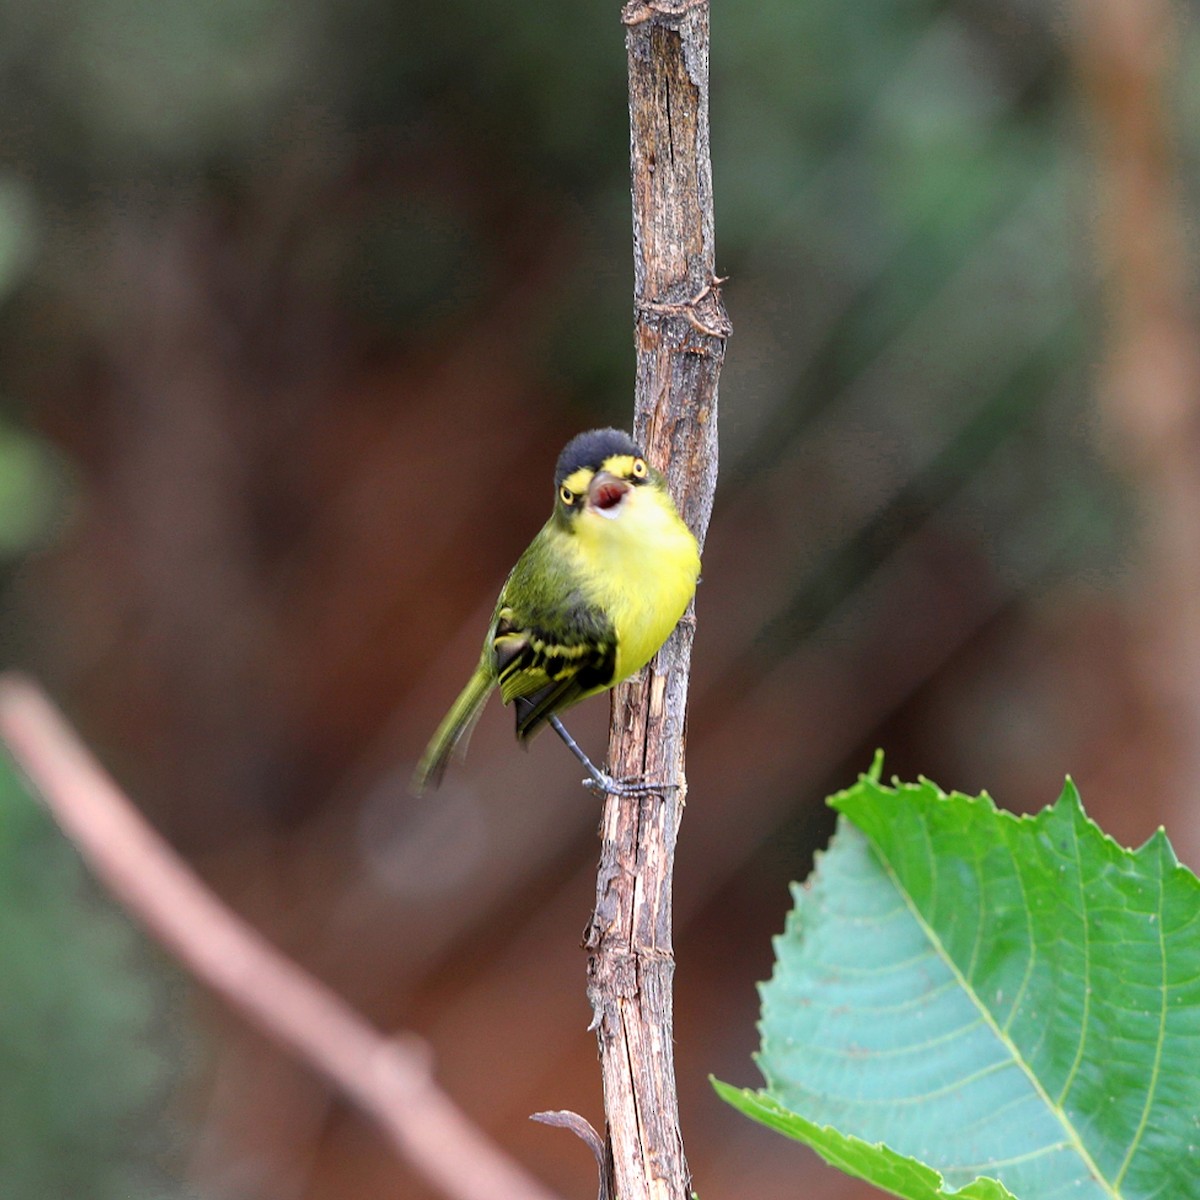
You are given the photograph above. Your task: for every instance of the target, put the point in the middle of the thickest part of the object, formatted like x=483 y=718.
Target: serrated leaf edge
x=726 y=1090
x=1070 y=795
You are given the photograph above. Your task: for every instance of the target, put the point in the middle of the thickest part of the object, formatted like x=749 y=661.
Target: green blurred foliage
x=31 y=490
x=109 y=90
x=93 y=1038
x=17 y=236
x=31 y=483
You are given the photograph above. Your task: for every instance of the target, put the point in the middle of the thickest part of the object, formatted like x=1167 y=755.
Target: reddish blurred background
x=298 y=308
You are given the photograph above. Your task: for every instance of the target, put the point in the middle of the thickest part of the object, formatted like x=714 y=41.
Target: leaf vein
x=1087 y=970
x=1017 y=1059
x=1152 y=1086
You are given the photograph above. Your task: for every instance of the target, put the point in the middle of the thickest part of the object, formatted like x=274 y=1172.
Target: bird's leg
x=596 y=777
x=599 y=781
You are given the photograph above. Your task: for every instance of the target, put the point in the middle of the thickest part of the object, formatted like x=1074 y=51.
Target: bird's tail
x=454 y=732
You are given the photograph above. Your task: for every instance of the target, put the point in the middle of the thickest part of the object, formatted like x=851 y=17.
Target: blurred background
x=299 y=302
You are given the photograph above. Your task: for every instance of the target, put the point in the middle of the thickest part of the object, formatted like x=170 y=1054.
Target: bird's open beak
x=605 y=494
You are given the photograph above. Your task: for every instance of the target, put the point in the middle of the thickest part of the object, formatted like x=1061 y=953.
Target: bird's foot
x=604 y=784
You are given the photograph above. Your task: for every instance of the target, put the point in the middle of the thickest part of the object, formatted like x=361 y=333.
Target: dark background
x=299 y=302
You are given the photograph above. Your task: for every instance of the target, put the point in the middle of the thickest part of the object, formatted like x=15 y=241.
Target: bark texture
x=680 y=333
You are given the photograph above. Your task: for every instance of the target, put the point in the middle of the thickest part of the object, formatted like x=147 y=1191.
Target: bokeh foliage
x=238 y=210
x=93 y=1024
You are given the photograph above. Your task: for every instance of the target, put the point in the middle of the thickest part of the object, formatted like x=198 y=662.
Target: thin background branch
x=389 y=1078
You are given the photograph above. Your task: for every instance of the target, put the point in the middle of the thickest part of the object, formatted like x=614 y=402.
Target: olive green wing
x=546 y=663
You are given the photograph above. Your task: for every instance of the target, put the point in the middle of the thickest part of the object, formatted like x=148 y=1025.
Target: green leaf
x=995 y=996
x=882 y=1166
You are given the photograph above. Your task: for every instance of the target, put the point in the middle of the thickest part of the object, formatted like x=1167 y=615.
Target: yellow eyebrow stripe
x=578 y=480
x=620 y=465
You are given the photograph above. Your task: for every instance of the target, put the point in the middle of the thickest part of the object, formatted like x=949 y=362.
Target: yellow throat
x=641 y=567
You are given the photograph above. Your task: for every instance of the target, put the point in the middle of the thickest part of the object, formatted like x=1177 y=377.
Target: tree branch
x=389 y=1078
x=681 y=329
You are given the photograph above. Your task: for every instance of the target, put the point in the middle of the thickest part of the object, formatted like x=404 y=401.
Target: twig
x=631 y=960
x=582 y=1129
x=389 y=1078
x=717 y=326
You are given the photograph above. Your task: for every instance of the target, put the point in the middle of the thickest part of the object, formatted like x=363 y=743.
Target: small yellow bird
x=589 y=603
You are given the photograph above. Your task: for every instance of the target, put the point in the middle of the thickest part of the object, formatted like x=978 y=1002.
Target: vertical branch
x=680 y=334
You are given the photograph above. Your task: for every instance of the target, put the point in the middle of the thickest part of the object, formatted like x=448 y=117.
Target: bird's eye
x=639 y=468
x=568 y=496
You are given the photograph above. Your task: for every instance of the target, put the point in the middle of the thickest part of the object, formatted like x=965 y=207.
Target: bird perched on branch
x=588 y=604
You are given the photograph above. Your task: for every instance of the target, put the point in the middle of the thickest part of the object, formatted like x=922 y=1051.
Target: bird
x=588 y=604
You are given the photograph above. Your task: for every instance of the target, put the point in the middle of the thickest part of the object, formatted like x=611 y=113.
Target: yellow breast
x=641 y=567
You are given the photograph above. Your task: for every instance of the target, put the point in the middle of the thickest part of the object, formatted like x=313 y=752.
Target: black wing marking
x=545 y=673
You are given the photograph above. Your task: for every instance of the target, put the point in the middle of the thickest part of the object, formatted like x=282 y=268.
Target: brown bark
x=681 y=329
